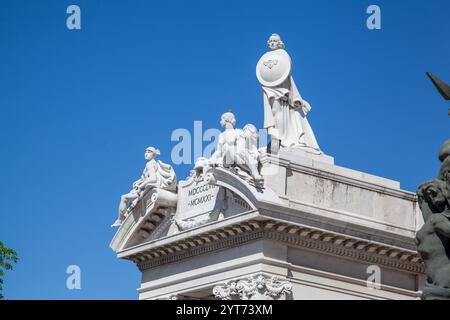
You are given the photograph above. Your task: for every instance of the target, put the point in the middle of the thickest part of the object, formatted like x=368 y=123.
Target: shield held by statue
x=273 y=68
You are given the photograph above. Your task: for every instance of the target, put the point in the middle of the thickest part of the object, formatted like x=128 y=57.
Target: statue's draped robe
x=160 y=175
x=166 y=176
x=293 y=129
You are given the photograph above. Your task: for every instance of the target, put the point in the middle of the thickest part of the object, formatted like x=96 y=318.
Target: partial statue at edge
x=157 y=174
x=284 y=108
x=433 y=239
x=441 y=86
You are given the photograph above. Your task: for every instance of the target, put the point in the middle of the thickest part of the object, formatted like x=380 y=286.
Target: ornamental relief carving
x=258 y=287
x=270 y=63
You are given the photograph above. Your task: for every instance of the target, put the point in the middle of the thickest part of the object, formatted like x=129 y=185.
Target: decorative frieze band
x=257 y=287
x=317 y=240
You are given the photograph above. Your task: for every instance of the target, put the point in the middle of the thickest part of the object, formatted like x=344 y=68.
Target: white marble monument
x=282 y=222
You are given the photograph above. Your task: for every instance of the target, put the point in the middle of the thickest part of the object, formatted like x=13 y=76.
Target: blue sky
x=77 y=108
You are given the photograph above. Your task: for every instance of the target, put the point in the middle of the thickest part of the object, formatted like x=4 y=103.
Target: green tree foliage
x=7 y=257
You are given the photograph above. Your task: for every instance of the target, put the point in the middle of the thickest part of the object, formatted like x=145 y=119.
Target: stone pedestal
x=315 y=231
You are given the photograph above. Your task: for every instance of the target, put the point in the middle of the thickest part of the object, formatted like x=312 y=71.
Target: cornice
x=308 y=238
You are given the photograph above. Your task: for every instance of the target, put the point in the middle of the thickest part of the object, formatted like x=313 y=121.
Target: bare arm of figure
x=217 y=155
x=441 y=224
x=137 y=182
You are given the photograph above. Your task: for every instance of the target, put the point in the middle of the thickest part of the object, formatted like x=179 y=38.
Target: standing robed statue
x=284 y=108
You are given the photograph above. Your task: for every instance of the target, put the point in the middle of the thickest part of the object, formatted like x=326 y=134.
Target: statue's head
x=250 y=133
x=436 y=193
x=250 y=130
x=275 y=42
x=227 y=118
x=151 y=153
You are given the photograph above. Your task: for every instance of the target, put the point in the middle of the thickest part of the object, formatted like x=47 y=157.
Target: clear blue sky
x=77 y=108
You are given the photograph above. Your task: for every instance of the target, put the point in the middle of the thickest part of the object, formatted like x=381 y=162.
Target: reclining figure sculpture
x=157 y=174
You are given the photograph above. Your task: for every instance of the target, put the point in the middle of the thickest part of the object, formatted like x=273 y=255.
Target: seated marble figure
x=156 y=174
x=237 y=149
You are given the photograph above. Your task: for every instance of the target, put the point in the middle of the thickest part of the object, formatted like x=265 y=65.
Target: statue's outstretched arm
x=138 y=182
